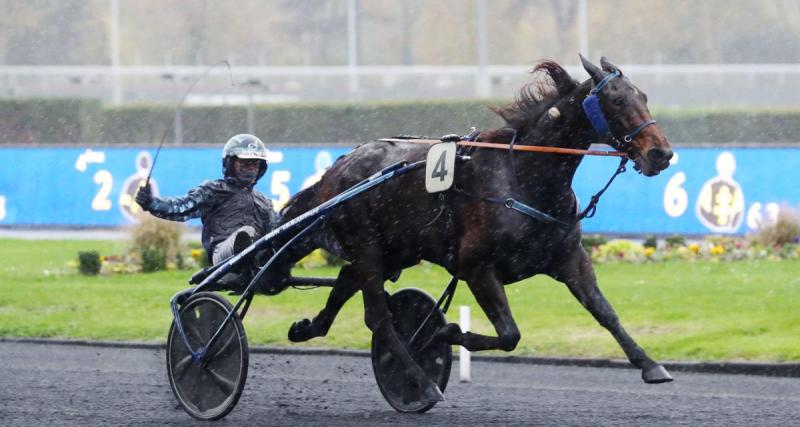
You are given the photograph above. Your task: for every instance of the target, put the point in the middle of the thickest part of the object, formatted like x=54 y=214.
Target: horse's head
x=617 y=106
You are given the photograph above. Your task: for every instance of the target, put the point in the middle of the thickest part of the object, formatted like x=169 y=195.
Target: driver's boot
x=240 y=275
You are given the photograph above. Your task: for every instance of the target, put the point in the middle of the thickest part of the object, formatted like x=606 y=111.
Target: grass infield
x=709 y=311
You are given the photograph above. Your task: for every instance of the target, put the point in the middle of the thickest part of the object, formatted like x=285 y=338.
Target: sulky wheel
x=208 y=389
x=409 y=308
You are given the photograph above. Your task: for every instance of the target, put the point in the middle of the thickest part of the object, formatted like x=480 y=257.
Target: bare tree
x=320 y=26
x=409 y=11
x=564 y=13
x=198 y=29
x=62 y=32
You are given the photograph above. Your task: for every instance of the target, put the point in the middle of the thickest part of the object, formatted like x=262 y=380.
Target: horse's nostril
x=659 y=155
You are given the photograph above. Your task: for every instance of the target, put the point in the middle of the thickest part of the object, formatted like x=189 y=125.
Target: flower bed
x=713 y=248
x=777 y=240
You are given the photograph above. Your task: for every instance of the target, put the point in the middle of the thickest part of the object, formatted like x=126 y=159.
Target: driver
x=233 y=213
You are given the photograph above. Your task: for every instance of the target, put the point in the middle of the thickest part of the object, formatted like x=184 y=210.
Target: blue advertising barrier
x=706 y=190
x=94 y=187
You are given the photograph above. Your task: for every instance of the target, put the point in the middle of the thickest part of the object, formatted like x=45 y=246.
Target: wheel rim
x=207 y=390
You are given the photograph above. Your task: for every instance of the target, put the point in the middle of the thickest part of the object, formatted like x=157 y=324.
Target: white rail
x=670 y=84
x=382 y=70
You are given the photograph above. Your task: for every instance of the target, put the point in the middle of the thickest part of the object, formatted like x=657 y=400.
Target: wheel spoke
x=227 y=386
x=199 y=401
x=180 y=368
x=191 y=329
x=205 y=322
x=217 y=316
x=224 y=346
x=421 y=343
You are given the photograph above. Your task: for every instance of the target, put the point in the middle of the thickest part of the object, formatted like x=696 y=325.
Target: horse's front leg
x=578 y=274
x=490 y=294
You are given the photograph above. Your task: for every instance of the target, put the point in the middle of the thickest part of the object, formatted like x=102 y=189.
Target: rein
x=511 y=203
x=529 y=148
x=591 y=208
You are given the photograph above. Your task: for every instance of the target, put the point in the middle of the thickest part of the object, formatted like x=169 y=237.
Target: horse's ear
x=608 y=66
x=595 y=72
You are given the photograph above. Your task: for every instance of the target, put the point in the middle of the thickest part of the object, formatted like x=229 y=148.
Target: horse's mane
x=536 y=97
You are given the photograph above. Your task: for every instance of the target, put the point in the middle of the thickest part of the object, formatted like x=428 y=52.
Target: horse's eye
x=619 y=102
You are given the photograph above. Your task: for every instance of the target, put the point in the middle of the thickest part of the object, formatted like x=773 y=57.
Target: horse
x=465 y=230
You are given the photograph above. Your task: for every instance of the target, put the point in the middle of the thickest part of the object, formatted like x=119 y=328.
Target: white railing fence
x=667 y=85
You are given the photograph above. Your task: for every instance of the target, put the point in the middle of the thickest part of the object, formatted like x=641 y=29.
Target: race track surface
x=57 y=385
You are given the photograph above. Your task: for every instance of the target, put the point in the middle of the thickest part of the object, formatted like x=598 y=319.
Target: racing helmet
x=244 y=146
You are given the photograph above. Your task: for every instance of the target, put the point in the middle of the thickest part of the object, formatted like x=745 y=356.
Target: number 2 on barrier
x=100 y=201
x=439 y=167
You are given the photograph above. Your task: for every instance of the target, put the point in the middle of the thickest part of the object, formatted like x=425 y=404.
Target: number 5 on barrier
x=439 y=167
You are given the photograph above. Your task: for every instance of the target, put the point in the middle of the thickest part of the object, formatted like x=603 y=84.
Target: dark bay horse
x=484 y=243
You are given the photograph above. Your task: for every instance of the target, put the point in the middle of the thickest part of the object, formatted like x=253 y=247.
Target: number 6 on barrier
x=439 y=167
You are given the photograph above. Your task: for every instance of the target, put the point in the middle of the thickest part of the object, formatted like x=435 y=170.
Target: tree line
x=397 y=32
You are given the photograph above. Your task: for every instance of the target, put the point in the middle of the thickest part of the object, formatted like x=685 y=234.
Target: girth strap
x=530 y=211
x=516 y=205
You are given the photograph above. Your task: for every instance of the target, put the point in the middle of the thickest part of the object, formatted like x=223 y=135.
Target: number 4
x=439 y=167
x=440 y=170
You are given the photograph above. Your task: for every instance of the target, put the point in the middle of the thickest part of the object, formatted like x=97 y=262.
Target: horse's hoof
x=432 y=394
x=449 y=334
x=301 y=331
x=656 y=375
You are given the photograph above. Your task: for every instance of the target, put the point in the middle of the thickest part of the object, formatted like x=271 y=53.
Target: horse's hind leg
x=345 y=287
x=578 y=274
x=491 y=295
x=368 y=272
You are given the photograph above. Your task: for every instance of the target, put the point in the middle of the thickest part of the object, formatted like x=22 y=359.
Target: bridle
x=594 y=112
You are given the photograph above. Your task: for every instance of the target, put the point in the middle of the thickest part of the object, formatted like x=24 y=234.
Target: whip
x=180 y=105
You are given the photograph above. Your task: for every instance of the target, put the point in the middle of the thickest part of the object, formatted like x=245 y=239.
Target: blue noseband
x=594 y=112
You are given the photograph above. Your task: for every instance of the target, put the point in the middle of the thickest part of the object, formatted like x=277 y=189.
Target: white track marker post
x=463 y=353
